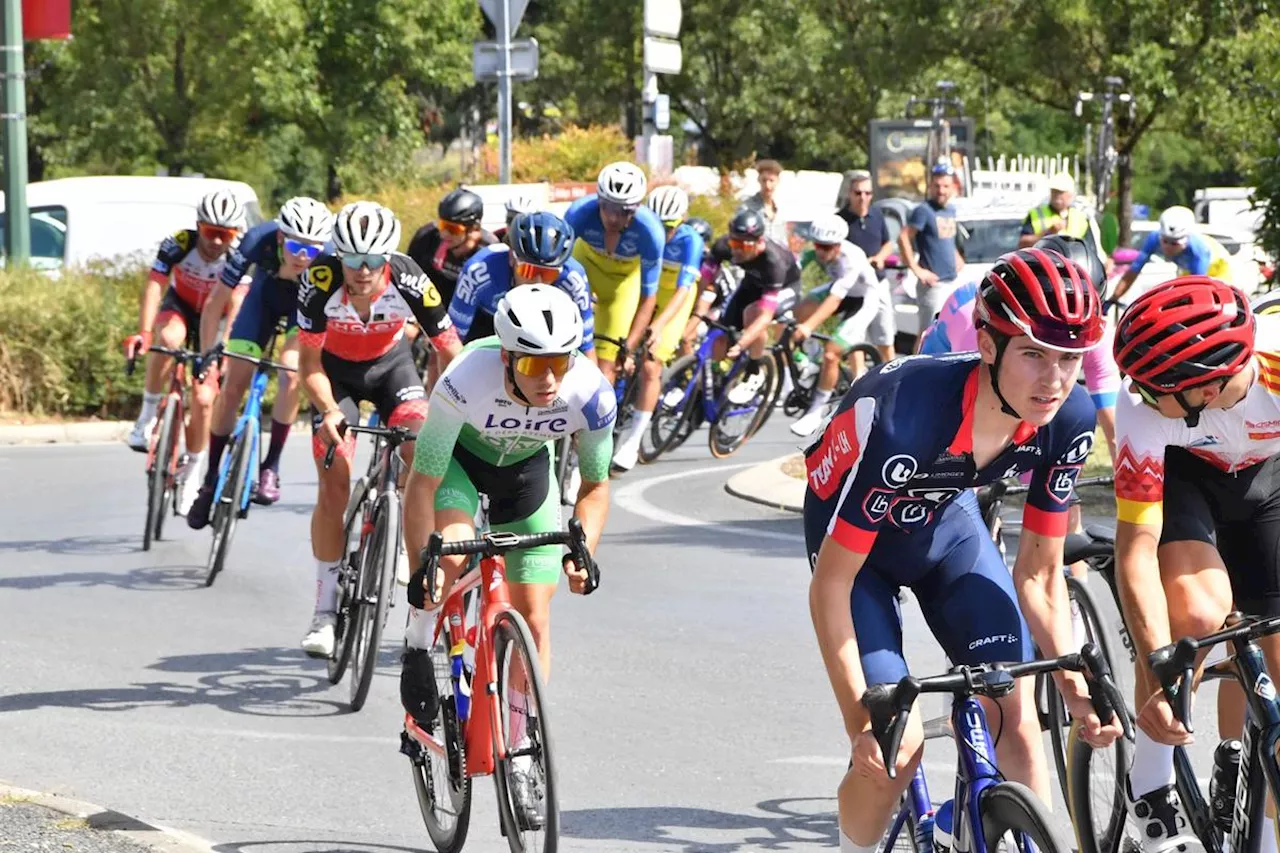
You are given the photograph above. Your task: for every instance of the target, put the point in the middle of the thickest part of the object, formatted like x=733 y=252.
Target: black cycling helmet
x=703 y=229
x=1084 y=253
x=747 y=224
x=461 y=206
x=540 y=238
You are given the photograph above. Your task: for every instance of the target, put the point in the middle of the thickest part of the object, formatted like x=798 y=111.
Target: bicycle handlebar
x=1002 y=488
x=395 y=437
x=889 y=705
x=183 y=355
x=1175 y=663
x=261 y=362
x=497 y=542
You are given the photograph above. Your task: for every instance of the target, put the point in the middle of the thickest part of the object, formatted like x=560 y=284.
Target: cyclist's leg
x=249 y=333
x=334 y=483
x=400 y=398
x=172 y=322
x=285 y=410
x=884 y=326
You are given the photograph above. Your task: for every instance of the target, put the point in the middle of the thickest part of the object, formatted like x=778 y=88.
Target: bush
x=577 y=154
x=60 y=353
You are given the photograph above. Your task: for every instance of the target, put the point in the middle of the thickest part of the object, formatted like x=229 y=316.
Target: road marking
x=631 y=498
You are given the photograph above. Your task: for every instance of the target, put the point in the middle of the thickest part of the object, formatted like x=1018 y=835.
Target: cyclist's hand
x=577 y=576
x=733 y=352
x=1157 y=719
x=1075 y=692
x=801 y=333
x=868 y=762
x=329 y=427
x=1057 y=226
x=136 y=345
x=877 y=262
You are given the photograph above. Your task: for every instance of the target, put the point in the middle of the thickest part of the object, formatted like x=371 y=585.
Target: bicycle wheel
x=529 y=758
x=1012 y=816
x=158 y=477
x=870 y=358
x=377 y=573
x=441 y=781
x=1096 y=798
x=724 y=438
x=226 y=512
x=677 y=397
x=348 y=572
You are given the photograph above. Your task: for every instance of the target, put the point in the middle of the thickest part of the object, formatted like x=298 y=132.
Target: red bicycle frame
x=177 y=387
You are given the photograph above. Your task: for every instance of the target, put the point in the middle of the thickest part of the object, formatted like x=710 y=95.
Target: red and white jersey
x=180 y=261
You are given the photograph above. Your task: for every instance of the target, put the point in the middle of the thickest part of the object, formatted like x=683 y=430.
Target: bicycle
x=986 y=806
x=371 y=529
x=696 y=391
x=232 y=495
x=1105 y=157
x=164 y=456
x=939 y=145
x=803 y=382
x=473 y=731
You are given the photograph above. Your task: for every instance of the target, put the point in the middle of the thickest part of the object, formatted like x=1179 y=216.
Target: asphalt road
x=689 y=705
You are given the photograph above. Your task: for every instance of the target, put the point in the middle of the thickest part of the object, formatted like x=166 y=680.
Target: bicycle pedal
x=411 y=748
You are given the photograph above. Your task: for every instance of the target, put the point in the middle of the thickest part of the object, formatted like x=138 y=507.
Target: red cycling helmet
x=1184 y=333
x=1043 y=295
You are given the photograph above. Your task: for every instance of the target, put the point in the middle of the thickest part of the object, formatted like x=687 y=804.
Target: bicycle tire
x=376 y=578
x=870 y=358
x=158 y=479
x=226 y=512
x=664 y=427
x=723 y=446
x=348 y=569
x=446 y=839
x=1081 y=805
x=510 y=631
x=1012 y=807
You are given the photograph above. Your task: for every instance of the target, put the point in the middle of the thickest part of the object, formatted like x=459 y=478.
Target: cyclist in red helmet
x=1197 y=439
x=890 y=503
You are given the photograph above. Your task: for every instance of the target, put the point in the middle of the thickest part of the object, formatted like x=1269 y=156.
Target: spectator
x=931 y=232
x=768 y=172
x=1057 y=216
x=867 y=228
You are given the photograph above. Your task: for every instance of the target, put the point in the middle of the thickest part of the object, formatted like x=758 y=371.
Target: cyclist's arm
x=152 y=294
x=1028 y=236
x=908 y=250
x=760 y=325
x=687 y=278
x=470 y=292
x=1149 y=245
x=211 y=315
x=834 y=573
x=595 y=454
x=433 y=318
x=431 y=454
x=1199 y=256
x=314 y=380
x=573 y=280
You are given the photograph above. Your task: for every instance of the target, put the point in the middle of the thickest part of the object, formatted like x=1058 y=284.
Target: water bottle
x=1222 y=784
x=942 y=823
x=924 y=832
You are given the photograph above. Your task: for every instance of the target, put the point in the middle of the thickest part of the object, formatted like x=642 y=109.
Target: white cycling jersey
x=851 y=273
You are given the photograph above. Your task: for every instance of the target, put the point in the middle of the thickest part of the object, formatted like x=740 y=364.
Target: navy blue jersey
x=900 y=448
x=258 y=246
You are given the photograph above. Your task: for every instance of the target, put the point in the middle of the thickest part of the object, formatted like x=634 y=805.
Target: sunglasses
x=455 y=228
x=537 y=272
x=536 y=365
x=1169 y=242
x=299 y=249
x=217 y=232
x=739 y=243
x=615 y=209
x=356 y=260
x=826 y=247
x=672 y=225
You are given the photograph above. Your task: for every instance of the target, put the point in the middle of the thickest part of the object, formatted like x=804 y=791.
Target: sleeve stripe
x=1139 y=512
x=1044 y=523
x=854 y=538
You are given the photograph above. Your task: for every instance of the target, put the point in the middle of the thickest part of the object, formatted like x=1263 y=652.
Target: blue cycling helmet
x=541 y=238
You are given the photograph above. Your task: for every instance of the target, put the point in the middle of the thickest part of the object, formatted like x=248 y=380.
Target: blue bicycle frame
x=714 y=406
x=248 y=428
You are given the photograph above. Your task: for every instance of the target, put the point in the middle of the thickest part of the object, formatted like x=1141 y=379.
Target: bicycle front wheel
x=525 y=778
x=1013 y=818
x=158 y=476
x=737 y=422
x=226 y=511
x=675 y=401
x=441 y=781
x=377 y=573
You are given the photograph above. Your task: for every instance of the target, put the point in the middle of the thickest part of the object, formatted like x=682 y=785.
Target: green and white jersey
x=470 y=407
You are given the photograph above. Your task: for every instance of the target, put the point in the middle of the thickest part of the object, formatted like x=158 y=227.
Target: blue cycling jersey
x=643 y=239
x=683 y=252
x=900 y=449
x=1200 y=257
x=258 y=246
x=487 y=276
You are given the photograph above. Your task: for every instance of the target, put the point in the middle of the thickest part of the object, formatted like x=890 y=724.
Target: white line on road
x=631 y=498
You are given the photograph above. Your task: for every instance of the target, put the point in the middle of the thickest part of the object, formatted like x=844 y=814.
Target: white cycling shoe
x=318 y=643
x=807 y=424
x=189 y=481
x=627 y=456
x=402 y=568
x=745 y=391
x=140 y=436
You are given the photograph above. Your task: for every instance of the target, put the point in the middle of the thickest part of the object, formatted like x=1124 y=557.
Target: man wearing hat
x=1057 y=216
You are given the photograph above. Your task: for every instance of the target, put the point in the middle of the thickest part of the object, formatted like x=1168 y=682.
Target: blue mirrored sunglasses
x=301 y=249
x=356 y=260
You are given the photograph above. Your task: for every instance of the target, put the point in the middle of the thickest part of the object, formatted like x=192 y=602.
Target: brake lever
x=428 y=559
x=1184 y=700
x=333 y=448
x=582 y=555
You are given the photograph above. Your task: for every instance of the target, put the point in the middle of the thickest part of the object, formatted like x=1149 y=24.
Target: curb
x=161 y=839
x=71 y=433
x=766 y=484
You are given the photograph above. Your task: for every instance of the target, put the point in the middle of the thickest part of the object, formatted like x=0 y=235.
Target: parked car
x=75 y=221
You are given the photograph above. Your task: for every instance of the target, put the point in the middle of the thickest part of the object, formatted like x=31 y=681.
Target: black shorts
x=1237 y=513
x=389 y=381
x=515 y=491
x=173 y=304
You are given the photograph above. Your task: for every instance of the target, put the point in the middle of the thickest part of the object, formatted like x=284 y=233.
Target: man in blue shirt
x=867 y=228
x=932 y=227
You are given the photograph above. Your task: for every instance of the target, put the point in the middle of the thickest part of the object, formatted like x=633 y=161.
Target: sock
x=217 y=444
x=326 y=586
x=422 y=623
x=194 y=461
x=279 y=435
x=847 y=845
x=639 y=423
x=1267 y=844
x=1152 y=766
x=820 y=398
x=150 y=402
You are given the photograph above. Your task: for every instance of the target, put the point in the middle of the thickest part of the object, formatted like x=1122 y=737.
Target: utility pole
x=17 y=235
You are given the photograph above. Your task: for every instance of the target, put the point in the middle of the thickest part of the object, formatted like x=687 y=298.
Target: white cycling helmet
x=305 y=218
x=828 y=229
x=670 y=203
x=1177 y=223
x=538 y=319
x=622 y=183
x=366 y=228
x=221 y=208
x=519 y=204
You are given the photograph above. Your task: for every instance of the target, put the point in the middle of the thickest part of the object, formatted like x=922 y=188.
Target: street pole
x=18 y=230
x=504 y=94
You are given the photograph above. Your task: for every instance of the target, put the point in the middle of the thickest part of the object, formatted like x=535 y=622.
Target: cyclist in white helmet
x=182 y=276
x=495 y=415
x=1179 y=241
x=515 y=206
x=352 y=309
x=271 y=258
x=619 y=243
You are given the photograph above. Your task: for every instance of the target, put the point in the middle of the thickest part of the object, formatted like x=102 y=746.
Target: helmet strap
x=1002 y=343
x=1192 y=416
x=511 y=376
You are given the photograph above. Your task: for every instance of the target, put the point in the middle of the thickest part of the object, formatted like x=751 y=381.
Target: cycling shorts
x=523 y=498
x=956 y=573
x=666 y=345
x=174 y=306
x=877 y=328
x=616 y=288
x=390 y=382
x=1237 y=513
x=268 y=301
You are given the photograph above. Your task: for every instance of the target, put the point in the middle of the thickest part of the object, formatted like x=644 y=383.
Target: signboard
x=571 y=190
x=493 y=11
x=899 y=148
x=662 y=18
x=46 y=19
x=486 y=60
x=662 y=56
x=662 y=112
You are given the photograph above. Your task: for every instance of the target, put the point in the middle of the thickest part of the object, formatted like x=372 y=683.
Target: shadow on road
x=91 y=546
x=145 y=579
x=306 y=846
x=791 y=823
x=267 y=682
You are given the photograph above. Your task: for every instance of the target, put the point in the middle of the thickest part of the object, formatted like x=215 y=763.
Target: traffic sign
x=662 y=56
x=662 y=18
x=486 y=60
x=662 y=112
x=493 y=11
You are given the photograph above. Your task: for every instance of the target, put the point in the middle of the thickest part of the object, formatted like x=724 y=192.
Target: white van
x=78 y=220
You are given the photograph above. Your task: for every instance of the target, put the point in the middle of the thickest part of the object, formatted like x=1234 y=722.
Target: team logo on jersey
x=183 y=239
x=1079 y=449
x=431 y=296
x=601 y=409
x=451 y=391
x=321 y=276
x=898 y=470
x=875 y=506
x=909 y=513
x=1062 y=482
